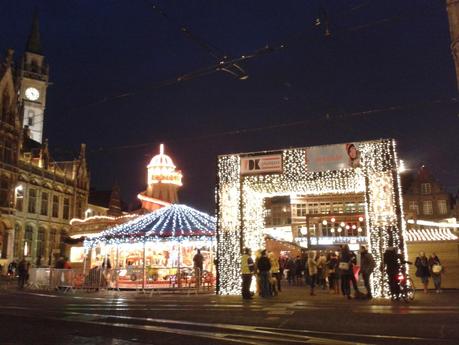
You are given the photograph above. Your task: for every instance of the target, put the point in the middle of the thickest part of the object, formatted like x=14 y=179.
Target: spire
x=114 y=205
x=34 y=42
x=82 y=155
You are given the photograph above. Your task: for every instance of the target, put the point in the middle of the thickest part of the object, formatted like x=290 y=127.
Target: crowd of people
x=335 y=271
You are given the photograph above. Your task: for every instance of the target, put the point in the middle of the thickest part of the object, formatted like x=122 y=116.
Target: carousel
x=155 y=249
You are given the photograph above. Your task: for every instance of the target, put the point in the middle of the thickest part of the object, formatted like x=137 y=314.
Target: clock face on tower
x=32 y=93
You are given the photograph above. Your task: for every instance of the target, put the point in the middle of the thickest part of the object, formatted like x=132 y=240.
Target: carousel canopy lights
x=162 y=169
x=175 y=222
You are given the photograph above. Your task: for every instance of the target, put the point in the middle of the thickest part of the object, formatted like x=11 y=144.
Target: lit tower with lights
x=33 y=81
x=163 y=182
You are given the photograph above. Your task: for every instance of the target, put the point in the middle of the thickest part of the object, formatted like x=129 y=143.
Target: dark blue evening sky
x=380 y=54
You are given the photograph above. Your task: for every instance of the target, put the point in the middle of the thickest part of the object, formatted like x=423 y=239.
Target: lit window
x=442 y=207
x=44 y=203
x=66 y=210
x=413 y=206
x=426 y=188
x=32 y=200
x=55 y=206
x=301 y=210
x=427 y=208
x=19 y=197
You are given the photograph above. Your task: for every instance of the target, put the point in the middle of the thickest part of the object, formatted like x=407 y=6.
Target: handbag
x=436 y=268
x=344 y=266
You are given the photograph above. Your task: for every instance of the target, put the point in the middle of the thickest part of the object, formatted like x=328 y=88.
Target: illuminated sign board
x=261 y=164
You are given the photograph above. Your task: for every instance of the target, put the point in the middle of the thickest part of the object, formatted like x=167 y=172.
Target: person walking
x=299 y=268
x=333 y=278
x=422 y=270
x=290 y=267
x=345 y=268
x=355 y=272
x=198 y=261
x=321 y=260
x=12 y=268
x=22 y=273
x=263 y=267
x=436 y=269
x=367 y=266
x=275 y=272
x=391 y=261
x=247 y=269
x=312 y=270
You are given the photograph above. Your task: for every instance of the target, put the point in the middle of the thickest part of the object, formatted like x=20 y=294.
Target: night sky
x=318 y=90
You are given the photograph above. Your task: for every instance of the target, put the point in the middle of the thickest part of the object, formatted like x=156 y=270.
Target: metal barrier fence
x=69 y=280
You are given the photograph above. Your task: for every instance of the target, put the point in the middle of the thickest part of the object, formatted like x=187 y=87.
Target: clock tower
x=33 y=81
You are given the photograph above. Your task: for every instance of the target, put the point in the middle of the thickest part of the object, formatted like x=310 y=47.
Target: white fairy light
x=240 y=204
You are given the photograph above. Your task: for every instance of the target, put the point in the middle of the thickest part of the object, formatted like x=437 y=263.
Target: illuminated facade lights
x=244 y=180
x=162 y=169
x=163 y=181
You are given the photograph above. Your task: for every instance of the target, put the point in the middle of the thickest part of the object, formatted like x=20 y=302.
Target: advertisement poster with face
x=333 y=157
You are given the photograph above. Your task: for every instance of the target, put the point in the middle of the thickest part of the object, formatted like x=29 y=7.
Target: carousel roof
x=173 y=221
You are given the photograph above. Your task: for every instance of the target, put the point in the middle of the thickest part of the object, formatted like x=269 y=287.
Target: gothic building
x=38 y=196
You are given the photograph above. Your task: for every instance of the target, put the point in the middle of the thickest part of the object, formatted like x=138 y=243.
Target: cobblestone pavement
x=293 y=317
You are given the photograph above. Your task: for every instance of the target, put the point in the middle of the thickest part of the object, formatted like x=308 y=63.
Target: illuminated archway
x=244 y=180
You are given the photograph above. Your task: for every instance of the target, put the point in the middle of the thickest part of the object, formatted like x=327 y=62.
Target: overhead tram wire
x=227 y=65
x=211 y=49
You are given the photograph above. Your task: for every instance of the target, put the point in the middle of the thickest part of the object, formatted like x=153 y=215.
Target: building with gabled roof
x=38 y=196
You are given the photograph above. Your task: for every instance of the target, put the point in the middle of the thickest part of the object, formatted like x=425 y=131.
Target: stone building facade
x=38 y=196
x=425 y=198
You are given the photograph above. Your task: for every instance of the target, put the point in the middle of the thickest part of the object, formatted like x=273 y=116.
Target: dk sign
x=261 y=164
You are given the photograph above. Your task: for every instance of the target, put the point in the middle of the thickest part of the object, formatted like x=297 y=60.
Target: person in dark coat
x=12 y=268
x=299 y=268
x=391 y=261
x=333 y=278
x=345 y=267
x=60 y=263
x=23 y=271
x=290 y=266
x=422 y=270
x=436 y=269
x=263 y=266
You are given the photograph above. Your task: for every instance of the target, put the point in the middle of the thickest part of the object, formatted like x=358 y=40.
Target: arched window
x=41 y=243
x=5 y=111
x=3 y=240
x=28 y=237
x=51 y=245
x=17 y=250
x=62 y=238
x=4 y=191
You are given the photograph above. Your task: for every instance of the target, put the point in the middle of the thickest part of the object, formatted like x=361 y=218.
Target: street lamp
x=304 y=230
